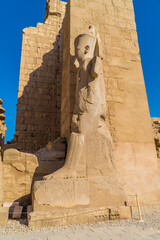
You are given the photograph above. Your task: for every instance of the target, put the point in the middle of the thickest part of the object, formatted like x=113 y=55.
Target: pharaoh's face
x=84 y=47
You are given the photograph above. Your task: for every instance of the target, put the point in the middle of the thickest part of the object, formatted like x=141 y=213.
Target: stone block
x=125 y=212
x=66 y=217
x=10 y=204
x=17 y=212
x=4 y=216
x=29 y=209
x=114 y=213
x=63 y=193
x=18 y=172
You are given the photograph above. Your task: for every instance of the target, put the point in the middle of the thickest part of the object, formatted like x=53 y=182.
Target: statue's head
x=86 y=44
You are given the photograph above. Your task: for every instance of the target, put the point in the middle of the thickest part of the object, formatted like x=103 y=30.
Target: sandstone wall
x=65 y=90
x=156 y=130
x=39 y=94
x=2 y=120
x=128 y=115
x=2 y=136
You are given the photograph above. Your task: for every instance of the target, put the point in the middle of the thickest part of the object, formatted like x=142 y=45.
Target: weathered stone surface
x=39 y=93
x=90 y=148
x=50 y=158
x=18 y=173
x=2 y=136
x=71 y=193
x=29 y=210
x=2 y=124
x=89 y=175
x=53 y=151
x=2 y=110
x=61 y=193
x=76 y=216
x=2 y=118
x=4 y=211
x=140 y=173
x=127 y=115
x=1 y=183
x=43 y=109
x=20 y=170
x=17 y=212
x=66 y=217
x=114 y=214
x=125 y=212
x=10 y=204
x=156 y=130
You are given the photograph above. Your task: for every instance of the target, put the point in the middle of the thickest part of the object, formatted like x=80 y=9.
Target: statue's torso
x=90 y=96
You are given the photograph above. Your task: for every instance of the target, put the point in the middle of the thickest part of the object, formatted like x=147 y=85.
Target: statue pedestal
x=68 y=216
x=67 y=201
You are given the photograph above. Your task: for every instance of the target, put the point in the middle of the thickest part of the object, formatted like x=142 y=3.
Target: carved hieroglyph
x=89 y=175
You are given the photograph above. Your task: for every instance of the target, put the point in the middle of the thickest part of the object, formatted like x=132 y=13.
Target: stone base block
x=4 y=212
x=17 y=212
x=125 y=212
x=29 y=210
x=67 y=217
x=77 y=193
x=76 y=216
x=114 y=214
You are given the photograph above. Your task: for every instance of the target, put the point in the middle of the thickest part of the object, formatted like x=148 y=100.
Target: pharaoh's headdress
x=91 y=32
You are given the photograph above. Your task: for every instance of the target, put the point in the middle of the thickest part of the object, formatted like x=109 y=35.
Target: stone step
x=77 y=216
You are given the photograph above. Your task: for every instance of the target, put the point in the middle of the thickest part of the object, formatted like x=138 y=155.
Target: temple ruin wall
x=39 y=93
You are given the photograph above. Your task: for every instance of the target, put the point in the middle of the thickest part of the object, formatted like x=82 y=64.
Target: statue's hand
x=96 y=64
x=76 y=65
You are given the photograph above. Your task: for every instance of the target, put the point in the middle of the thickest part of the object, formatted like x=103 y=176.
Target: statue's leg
x=75 y=164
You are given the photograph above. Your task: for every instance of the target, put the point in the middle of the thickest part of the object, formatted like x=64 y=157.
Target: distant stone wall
x=2 y=120
x=156 y=129
x=2 y=135
x=39 y=94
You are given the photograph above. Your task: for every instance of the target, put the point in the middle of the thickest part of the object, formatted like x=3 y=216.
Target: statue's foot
x=64 y=173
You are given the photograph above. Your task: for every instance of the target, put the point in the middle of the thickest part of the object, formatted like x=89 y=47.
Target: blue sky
x=16 y=15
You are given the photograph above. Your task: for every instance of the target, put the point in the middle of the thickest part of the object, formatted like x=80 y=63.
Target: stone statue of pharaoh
x=90 y=150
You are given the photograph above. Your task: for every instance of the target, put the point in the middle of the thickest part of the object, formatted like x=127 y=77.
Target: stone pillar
x=128 y=115
x=156 y=130
x=1 y=185
x=2 y=135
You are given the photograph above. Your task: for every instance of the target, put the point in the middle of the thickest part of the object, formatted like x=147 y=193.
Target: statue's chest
x=87 y=88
